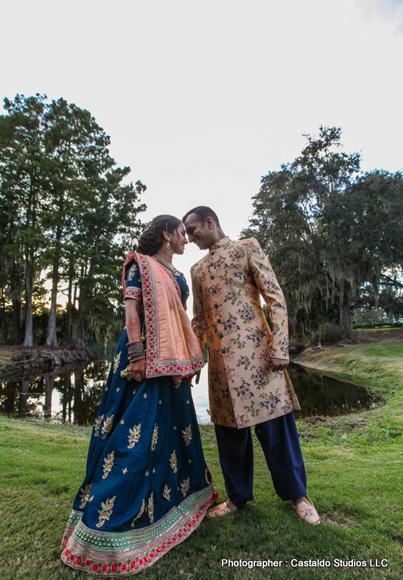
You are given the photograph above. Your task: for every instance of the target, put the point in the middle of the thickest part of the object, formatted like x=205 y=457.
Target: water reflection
x=69 y=395
x=73 y=394
x=321 y=395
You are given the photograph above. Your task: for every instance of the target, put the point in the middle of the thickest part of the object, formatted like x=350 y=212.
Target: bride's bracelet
x=135 y=348
x=136 y=357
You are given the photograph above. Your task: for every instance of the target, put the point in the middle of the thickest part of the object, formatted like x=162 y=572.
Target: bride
x=147 y=486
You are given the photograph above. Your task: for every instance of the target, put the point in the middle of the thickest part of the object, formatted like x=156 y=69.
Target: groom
x=247 y=385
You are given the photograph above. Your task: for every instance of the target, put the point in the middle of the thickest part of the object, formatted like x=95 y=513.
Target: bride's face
x=179 y=240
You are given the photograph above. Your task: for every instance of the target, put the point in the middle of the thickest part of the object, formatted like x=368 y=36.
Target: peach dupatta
x=172 y=346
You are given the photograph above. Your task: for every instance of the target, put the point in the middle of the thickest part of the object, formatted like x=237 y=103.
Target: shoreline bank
x=23 y=360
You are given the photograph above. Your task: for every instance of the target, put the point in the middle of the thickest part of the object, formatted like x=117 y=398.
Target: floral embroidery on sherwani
x=227 y=285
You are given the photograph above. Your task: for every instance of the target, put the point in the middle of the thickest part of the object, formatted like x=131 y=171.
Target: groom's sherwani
x=227 y=285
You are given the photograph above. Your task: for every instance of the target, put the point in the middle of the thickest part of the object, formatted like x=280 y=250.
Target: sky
x=201 y=98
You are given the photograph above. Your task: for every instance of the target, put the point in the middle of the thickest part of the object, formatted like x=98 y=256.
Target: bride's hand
x=138 y=370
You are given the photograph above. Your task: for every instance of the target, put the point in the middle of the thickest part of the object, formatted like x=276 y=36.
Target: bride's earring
x=168 y=243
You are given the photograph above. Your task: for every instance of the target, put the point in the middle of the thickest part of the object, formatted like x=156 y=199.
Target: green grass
x=354 y=466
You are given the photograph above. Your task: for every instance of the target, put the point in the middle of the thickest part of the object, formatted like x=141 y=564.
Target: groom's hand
x=276 y=364
x=197 y=375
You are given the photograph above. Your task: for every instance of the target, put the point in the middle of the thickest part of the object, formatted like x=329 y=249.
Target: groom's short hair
x=203 y=212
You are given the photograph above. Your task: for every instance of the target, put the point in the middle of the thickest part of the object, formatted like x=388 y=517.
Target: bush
x=329 y=333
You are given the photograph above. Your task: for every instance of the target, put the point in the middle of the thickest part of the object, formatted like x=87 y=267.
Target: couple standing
x=147 y=486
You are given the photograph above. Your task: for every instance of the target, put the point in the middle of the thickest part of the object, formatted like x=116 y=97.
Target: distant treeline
x=334 y=236
x=64 y=215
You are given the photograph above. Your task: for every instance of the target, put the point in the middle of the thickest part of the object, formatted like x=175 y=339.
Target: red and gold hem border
x=83 y=553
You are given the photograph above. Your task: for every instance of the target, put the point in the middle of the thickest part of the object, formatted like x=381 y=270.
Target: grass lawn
x=354 y=466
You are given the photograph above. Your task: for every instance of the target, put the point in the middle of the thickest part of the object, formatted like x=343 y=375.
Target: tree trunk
x=69 y=337
x=4 y=316
x=79 y=332
x=29 y=282
x=17 y=332
x=51 y=339
x=29 y=330
x=345 y=315
x=79 y=324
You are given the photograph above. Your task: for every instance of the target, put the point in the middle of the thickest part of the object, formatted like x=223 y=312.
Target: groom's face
x=200 y=233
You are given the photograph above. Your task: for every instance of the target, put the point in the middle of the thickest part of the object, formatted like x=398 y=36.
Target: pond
x=322 y=395
x=73 y=394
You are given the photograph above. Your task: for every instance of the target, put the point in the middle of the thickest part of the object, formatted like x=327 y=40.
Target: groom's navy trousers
x=280 y=443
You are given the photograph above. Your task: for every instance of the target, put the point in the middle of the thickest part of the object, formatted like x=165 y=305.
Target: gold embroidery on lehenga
x=142 y=510
x=107 y=426
x=132 y=272
x=106 y=511
x=167 y=493
x=178 y=383
x=85 y=496
x=173 y=461
x=124 y=470
x=206 y=476
x=116 y=362
x=134 y=436
x=151 y=508
x=97 y=425
x=154 y=439
x=187 y=435
x=185 y=486
x=108 y=464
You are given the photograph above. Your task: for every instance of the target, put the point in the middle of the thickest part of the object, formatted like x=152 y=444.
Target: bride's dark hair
x=152 y=238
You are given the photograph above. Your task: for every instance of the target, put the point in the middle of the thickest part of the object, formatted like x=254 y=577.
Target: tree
x=321 y=224
x=63 y=210
x=21 y=173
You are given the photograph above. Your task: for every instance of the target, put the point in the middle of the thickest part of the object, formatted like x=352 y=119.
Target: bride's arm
x=133 y=327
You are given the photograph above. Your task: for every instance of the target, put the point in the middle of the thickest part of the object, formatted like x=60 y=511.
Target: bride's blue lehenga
x=147 y=486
